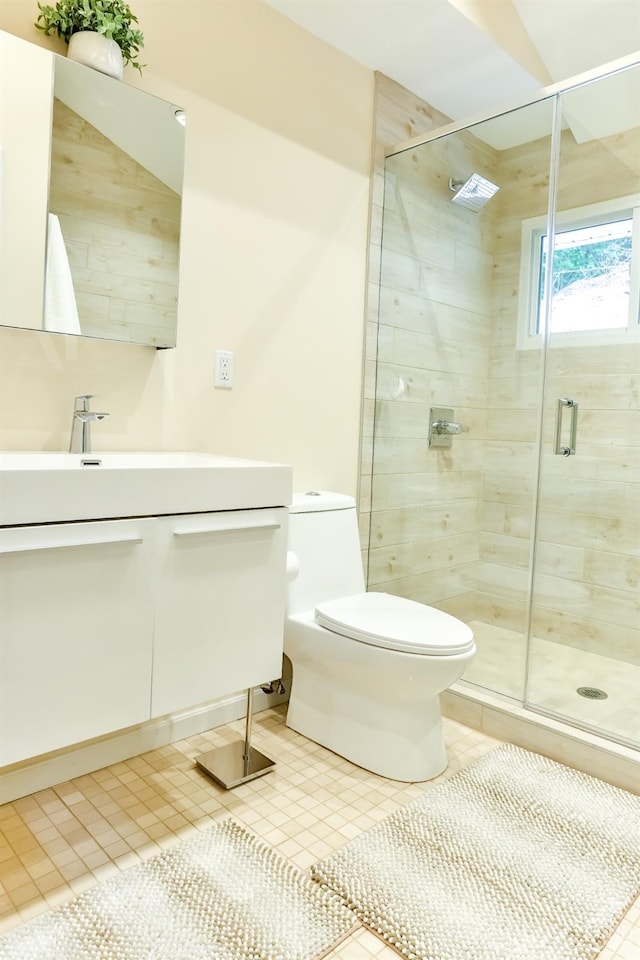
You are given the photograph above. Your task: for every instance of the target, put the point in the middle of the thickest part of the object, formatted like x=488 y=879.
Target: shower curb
x=506 y=720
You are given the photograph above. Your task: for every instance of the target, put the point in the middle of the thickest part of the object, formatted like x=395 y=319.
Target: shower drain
x=592 y=693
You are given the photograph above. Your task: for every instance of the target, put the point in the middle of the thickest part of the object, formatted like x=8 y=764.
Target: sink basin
x=58 y=487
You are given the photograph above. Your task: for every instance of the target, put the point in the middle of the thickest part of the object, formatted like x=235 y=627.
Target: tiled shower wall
x=399 y=115
x=433 y=351
x=453 y=527
x=510 y=454
x=587 y=566
x=433 y=292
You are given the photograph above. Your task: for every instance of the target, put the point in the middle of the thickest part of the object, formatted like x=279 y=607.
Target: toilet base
x=376 y=707
x=389 y=755
x=390 y=739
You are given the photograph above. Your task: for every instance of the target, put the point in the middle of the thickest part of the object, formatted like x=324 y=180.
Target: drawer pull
x=236 y=528
x=63 y=544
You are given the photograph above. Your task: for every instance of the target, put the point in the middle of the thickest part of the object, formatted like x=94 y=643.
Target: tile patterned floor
x=61 y=841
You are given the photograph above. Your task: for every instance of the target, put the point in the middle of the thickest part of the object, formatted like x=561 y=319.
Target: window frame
x=533 y=229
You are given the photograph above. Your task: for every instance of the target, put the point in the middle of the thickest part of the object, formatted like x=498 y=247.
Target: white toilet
x=367 y=667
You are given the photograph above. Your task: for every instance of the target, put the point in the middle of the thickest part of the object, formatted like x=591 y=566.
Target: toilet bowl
x=367 y=667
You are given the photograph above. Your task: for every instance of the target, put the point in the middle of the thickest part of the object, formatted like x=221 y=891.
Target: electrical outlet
x=224 y=369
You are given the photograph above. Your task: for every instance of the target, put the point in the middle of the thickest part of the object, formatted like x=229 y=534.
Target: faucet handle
x=84 y=400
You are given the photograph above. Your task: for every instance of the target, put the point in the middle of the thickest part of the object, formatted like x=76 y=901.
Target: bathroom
x=272 y=267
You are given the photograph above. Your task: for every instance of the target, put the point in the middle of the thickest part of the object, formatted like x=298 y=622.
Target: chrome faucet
x=81 y=424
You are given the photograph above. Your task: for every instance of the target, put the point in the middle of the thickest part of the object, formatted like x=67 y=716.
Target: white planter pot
x=97 y=51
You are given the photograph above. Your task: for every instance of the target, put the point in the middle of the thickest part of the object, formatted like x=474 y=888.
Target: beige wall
x=273 y=256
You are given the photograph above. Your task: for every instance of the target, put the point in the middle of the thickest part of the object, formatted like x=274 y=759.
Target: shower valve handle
x=442 y=427
x=448 y=427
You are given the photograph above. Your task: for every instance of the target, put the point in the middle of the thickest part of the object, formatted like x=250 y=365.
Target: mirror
x=97 y=253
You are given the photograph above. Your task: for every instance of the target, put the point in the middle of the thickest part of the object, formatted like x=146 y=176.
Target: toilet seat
x=396 y=623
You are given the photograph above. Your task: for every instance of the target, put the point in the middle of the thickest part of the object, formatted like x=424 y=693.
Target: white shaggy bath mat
x=514 y=858
x=222 y=895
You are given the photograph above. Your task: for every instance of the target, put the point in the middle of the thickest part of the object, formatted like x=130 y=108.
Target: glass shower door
x=452 y=513
x=584 y=650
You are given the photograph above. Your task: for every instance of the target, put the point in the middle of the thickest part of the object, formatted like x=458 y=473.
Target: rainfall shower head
x=472 y=193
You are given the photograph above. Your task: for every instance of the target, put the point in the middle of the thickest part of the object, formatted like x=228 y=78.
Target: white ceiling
x=433 y=49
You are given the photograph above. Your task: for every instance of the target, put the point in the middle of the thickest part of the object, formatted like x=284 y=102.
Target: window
x=594 y=282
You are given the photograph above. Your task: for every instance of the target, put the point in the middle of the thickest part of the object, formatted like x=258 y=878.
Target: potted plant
x=111 y=19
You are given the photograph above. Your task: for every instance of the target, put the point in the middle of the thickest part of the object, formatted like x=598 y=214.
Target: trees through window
x=593 y=284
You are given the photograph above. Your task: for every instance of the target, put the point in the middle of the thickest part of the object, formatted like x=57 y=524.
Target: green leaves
x=112 y=18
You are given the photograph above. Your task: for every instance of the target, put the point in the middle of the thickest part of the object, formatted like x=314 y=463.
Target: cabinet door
x=220 y=605
x=75 y=633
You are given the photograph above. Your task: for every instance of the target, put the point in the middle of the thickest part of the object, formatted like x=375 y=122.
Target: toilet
x=367 y=667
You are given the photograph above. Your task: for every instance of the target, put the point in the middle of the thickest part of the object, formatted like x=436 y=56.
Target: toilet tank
x=324 y=560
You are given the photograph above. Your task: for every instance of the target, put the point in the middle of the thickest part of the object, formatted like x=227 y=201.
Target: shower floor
x=556 y=672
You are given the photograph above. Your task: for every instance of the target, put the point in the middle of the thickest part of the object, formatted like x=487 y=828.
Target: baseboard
x=20 y=780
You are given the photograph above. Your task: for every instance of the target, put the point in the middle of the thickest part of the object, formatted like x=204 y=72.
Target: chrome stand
x=236 y=763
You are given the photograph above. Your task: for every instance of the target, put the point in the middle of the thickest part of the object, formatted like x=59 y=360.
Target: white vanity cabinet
x=108 y=624
x=76 y=611
x=140 y=594
x=220 y=605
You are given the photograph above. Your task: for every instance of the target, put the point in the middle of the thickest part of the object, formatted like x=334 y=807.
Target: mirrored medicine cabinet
x=91 y=175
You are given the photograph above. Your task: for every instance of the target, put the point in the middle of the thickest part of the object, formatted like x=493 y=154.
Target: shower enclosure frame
x=463 y=701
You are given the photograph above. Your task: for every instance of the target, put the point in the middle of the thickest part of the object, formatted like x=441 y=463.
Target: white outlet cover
x=224 y=369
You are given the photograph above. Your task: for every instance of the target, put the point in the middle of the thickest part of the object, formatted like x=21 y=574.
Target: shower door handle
x=561 y=449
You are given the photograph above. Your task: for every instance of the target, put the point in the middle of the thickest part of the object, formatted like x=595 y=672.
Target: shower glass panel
x=506 y=450
x=452 y=513
x=584 y=660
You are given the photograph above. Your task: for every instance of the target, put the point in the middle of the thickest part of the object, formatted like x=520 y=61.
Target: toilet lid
x=397 y=624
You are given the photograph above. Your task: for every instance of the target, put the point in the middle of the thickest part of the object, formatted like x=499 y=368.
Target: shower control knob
x=448 y=427
x=442 y=427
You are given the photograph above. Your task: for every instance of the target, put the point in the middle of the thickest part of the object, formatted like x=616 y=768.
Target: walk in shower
x=506 y=451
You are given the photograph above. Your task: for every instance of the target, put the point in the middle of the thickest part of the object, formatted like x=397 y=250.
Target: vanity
x=139 y=592
x=134 y=587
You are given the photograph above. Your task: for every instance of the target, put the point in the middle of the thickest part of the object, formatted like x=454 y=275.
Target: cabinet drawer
x=75 y=633
x=220 y=605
